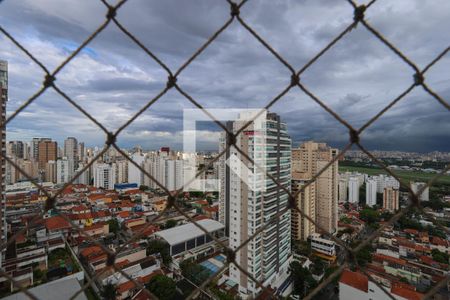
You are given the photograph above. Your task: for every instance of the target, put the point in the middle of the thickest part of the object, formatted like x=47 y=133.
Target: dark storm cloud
x=113 y=78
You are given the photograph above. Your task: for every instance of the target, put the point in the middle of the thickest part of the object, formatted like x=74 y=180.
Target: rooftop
x=355 y=279
x=189 y=231
x=59 y=289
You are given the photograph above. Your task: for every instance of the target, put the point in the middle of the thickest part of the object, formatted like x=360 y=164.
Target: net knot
x=295 y=79
x=171 y=81
x=354 y=136
x=111 y=13
x=48 y=81
x=234 y=9
x=111 y=257
x=358 y=14
x=170 y=201
x=418 y=78
x=291 y=202
x=50 y=203
x=110 y=139
x=231 y=255
x=231 y=139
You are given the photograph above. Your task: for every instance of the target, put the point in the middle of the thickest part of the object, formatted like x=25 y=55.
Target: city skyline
x=124 y=79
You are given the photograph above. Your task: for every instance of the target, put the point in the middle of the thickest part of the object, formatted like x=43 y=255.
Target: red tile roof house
x=57 y=224
x=356 y=286
x=212 y=212
x=145 y=230
x=80 y=209
x=97 y=229
x=101 y=216
x=129 y=288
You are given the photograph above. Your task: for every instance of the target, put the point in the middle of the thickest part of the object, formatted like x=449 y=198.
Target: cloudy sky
x=112 y=78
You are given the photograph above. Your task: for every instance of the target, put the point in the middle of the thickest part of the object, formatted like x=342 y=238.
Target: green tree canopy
x=109 y=292
x=369 y=215
x=114 y=226
x=156 y=246
x=302 y=277
x=162 y=287
x=170 y=223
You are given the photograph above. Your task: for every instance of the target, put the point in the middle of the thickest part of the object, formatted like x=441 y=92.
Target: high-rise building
x=64 y=170
x=48 y=150
x=104 y=176
x=34 y=148
x=309 y=159
x=3 y=99
x=134 y=173
x=71 y=150
x=417 y=186
x=384 y=181
x=343 y=190
x=371 y=192
x=390 y=199
x=155 y=165
x=353 y=190
x=84 y=177
x=301 y=227
x=249 y=200
x=174 y=174
x=81 y=152
x=15 y=149
x=121 y=171
x=51 y=171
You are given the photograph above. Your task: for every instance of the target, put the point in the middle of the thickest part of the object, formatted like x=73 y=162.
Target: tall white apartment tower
x=249 y=199
x=134 y=173
x=371 y=192
x=174 y=174
x=104 y=176
x=353 y=190
x=3 y=99
x=64 y=170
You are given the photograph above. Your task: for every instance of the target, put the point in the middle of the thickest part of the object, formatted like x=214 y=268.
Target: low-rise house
x=57 y=225
x=189 y=241
x=97 y=229
x=357 y=286
x=159 y=205
x=130 y=223
x=211 y=212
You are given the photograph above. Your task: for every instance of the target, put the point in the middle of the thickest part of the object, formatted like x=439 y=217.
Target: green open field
x=406 y=176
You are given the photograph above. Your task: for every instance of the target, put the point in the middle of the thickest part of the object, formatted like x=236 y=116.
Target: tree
x=347 y=205
x=364 y=256
x=38 y=275
x=380 y=199
x=114 y=226
x=109 y=292
x=362 y=195
x=196 y=194
x=440 y=257
x=162 y=287
x=143 y=187
x=318 y=266
x=170 y=223
x=369 y=215
x=302 y=247
x=436 y=231
x=158 y=246
x=302 y=278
